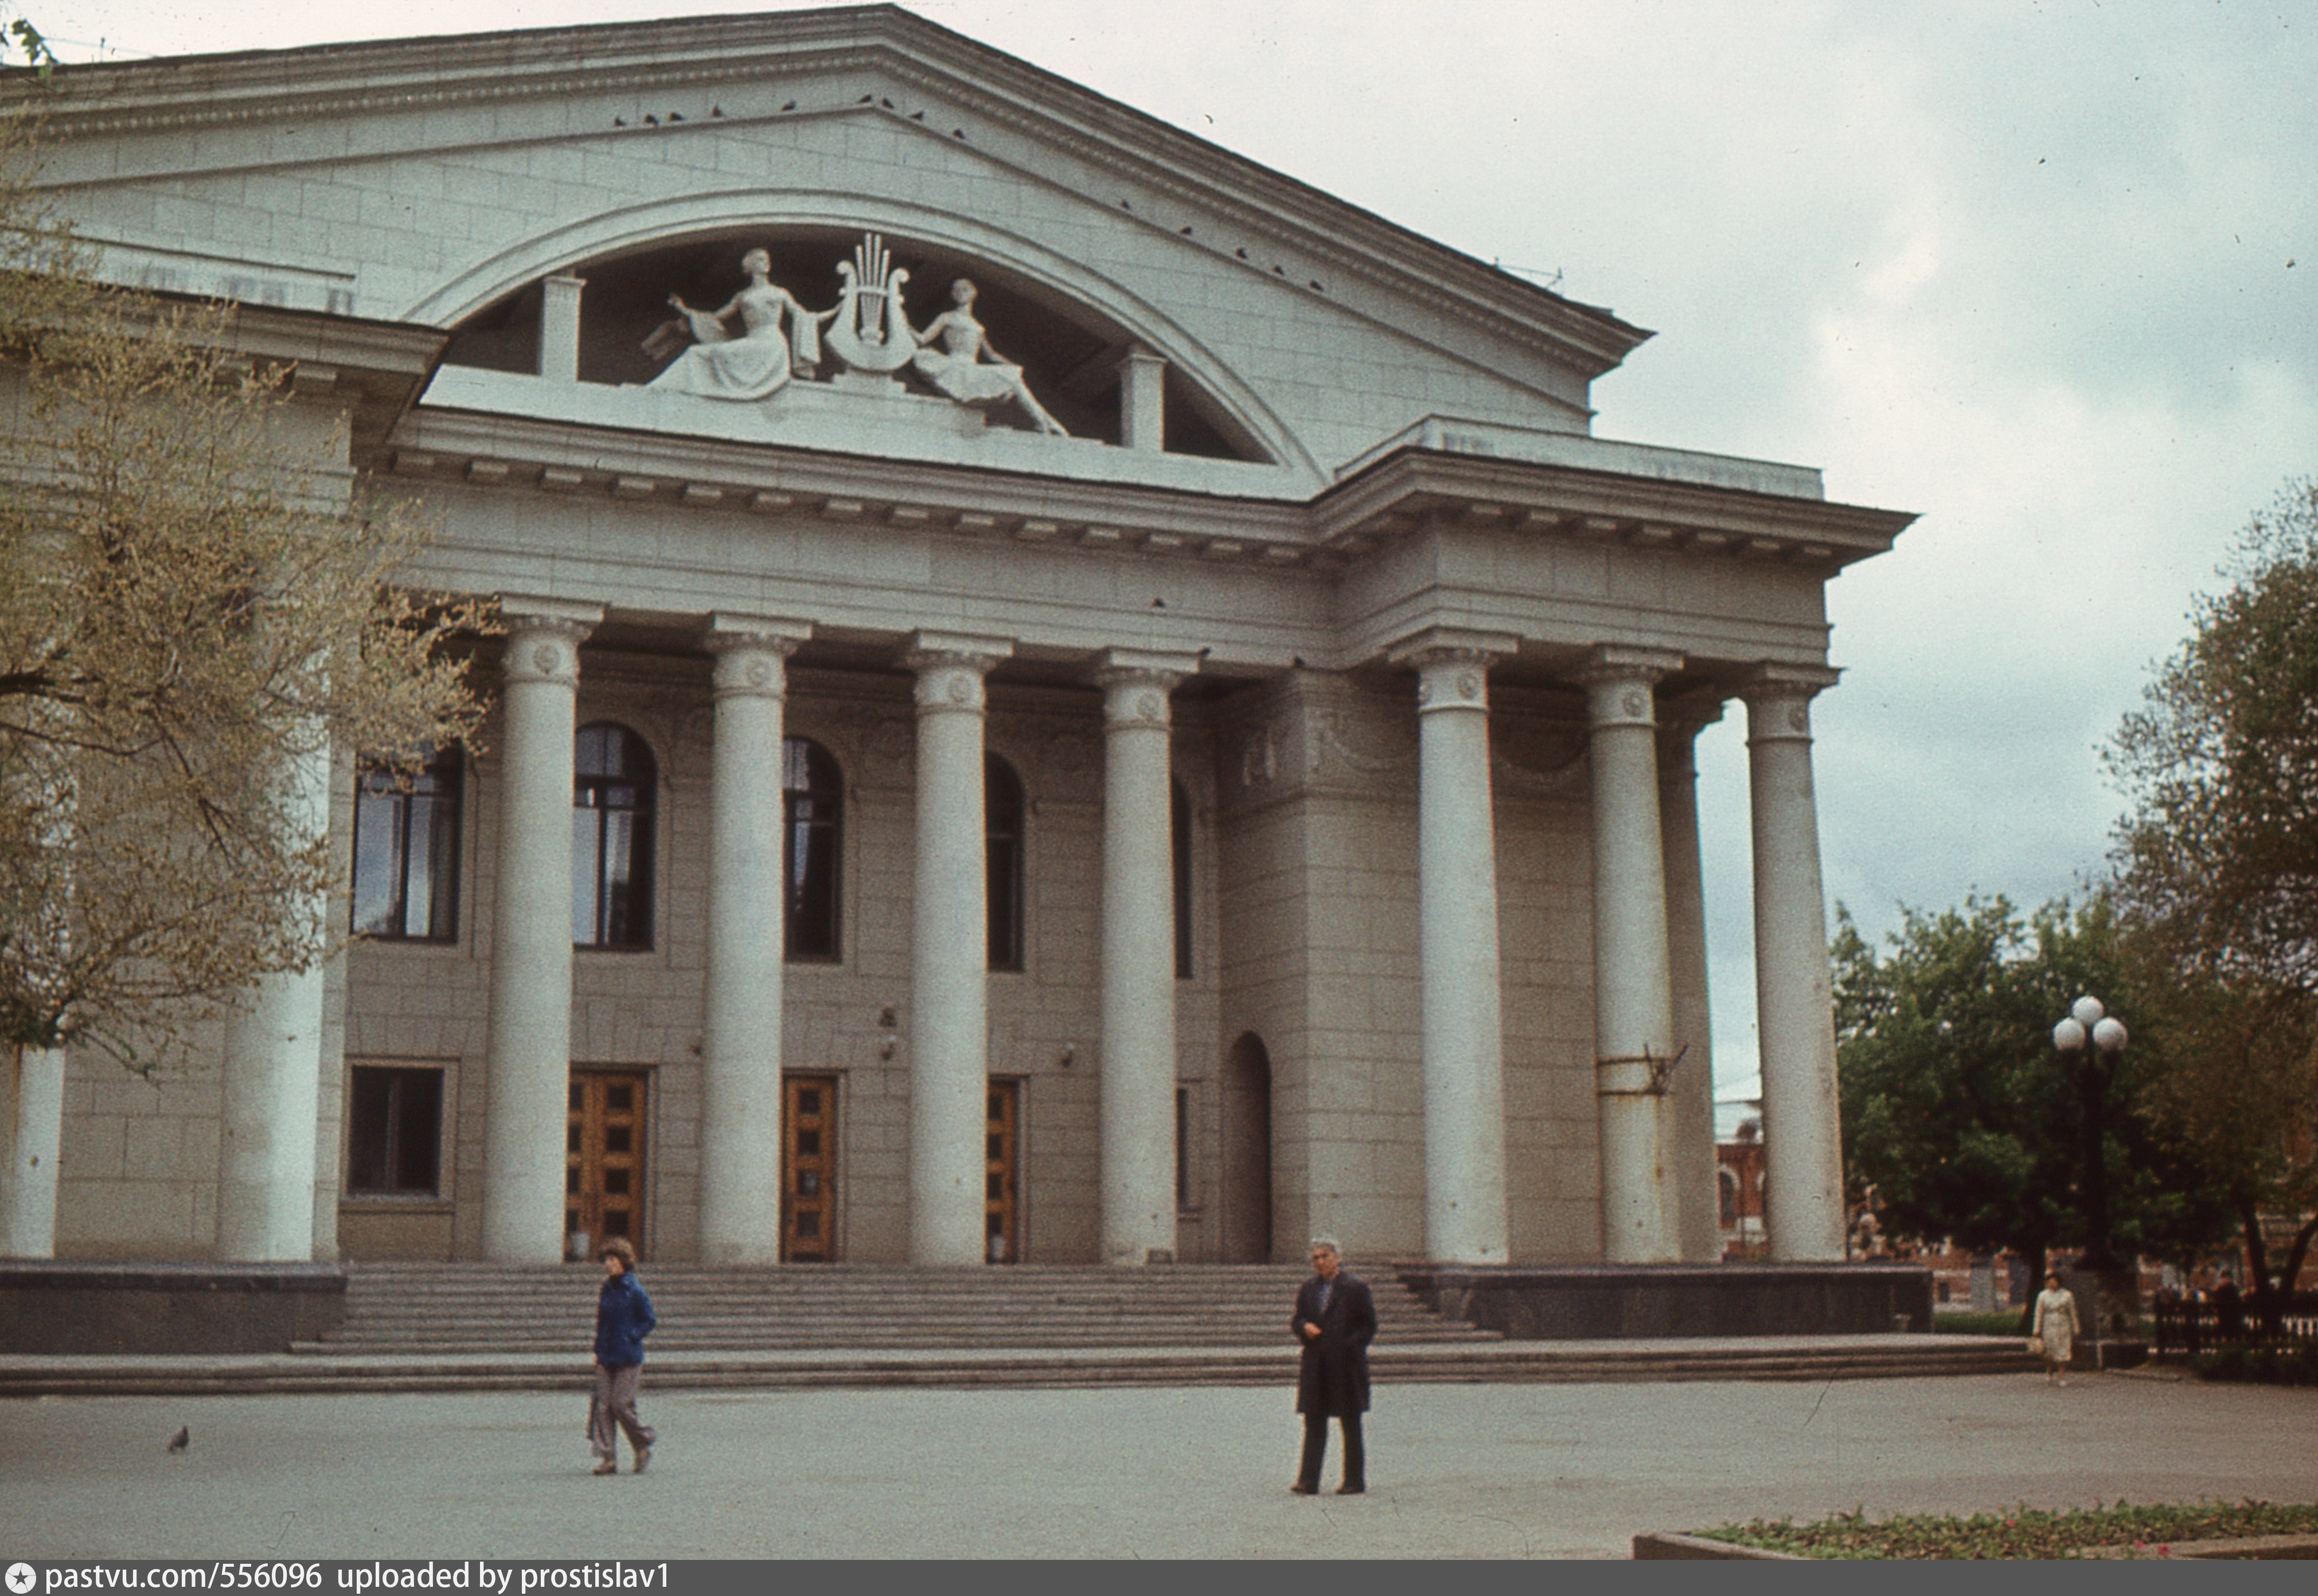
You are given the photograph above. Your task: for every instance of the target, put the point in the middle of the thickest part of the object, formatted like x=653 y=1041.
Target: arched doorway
x=1247 y=1153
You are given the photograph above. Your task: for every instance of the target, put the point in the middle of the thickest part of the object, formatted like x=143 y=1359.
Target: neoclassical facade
x=1063 y=696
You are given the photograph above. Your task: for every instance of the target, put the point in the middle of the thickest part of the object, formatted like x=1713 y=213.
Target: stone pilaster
x=1138 y=1112
x=528 y=1037
x=742 y=990
x=1689 y=1112
x=1633 y=1000
x=273 y=1072
x=949 y=1003
x=1465 y=1212
x=1803 y=1143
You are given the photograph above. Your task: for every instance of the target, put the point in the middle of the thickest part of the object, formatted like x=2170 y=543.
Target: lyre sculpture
x=870 y=332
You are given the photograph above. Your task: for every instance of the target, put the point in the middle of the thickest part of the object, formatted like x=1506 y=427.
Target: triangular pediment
x=441 y=182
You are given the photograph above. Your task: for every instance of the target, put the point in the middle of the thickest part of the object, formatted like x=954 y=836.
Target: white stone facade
x=1329 y=555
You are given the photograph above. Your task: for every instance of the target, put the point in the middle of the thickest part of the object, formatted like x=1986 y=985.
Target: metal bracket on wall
x=1648 y=1082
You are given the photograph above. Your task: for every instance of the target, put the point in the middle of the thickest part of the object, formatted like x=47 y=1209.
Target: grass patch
x=2024 y=1532
x=2007 y=1322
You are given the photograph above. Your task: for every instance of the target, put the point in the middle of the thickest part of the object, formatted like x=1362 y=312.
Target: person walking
x=623 y=1317
x=1334 y=1321
x=2056 y=1328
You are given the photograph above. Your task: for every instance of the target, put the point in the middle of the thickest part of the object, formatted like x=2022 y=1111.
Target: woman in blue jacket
x=623 y=1317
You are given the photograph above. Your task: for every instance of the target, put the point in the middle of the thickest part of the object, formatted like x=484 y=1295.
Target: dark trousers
x=1315 y=1450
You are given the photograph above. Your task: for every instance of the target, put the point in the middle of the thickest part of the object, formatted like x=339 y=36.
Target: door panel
x=1001 y=1212
x=604 y=1157
x=808 y=1168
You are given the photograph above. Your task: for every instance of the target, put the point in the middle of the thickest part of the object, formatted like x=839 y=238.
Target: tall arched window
x=814 y=808
x=407 y=851
x=1001 y=808
x=613 y=787
x=1180 y=827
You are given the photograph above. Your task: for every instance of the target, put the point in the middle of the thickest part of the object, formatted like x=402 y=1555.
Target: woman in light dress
x=756 y=365
x=950 y=353
x=2056 y=1323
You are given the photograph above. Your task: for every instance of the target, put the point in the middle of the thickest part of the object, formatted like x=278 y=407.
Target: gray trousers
x=615 y=1404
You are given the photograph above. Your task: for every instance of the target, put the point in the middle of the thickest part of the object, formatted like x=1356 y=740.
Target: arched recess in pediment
x=1067 y=325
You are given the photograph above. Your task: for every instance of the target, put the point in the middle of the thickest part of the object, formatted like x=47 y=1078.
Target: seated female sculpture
x=950 y=353
x=756 y=365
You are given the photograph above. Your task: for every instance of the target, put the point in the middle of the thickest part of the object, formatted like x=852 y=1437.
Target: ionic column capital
x=1452 y=666
x=950 y=667
x=751 y=651
x=1778 y=700
x=544 y=637
x=1680 y=720
x=1135 y=683
x=1618 y=682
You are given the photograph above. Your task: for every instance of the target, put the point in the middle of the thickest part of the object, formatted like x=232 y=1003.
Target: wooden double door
x=808 y=1168
x=605 y=1142
x=603 y=1158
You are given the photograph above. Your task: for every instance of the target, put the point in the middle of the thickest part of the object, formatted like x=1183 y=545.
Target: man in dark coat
x=623 y=1317
x=1334 y=1321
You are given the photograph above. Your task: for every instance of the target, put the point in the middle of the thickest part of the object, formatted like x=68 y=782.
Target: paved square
x=1490 y=1471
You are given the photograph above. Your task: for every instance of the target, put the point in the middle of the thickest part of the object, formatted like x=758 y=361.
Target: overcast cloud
x=2041 y=272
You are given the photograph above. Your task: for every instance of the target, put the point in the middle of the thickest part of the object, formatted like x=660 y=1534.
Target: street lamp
x=2093 y=1041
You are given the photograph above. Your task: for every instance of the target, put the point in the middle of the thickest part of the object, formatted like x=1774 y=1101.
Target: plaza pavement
x=1482 y=1470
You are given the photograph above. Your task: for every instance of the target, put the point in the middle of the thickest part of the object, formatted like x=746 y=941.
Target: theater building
x=1064 y=696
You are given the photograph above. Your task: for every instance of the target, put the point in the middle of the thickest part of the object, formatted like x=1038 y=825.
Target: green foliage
x=2219 y=856
x=1960 y=1113
x=2024 y=1532
x=2259 y=1365
x=2217 y=875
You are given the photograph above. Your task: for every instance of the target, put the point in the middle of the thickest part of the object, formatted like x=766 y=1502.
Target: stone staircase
x=452 y=1327
x=439 y=1308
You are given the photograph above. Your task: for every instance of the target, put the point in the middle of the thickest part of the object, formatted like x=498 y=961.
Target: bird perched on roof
x=182 y=1439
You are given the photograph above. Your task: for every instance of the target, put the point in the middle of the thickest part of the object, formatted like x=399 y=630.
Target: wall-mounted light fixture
x=888 y=1019
x=1070 y=1051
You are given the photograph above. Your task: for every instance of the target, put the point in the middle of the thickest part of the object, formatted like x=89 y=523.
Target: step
x=330 y=1370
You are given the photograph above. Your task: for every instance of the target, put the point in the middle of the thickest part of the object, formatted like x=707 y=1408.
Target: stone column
x=1138 y=957
x=273 y=1070
x=1465 y=1213
x=1794 y=1007
x=1633 y=997
x=1690 y=1088
x=527 y=1043
x=1142 y=400
x=32 y=1114
x=741 y=1034
x=949 y=1000
x=559 y=329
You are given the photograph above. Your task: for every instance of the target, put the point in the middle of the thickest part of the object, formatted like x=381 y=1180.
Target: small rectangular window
x=394 y=1130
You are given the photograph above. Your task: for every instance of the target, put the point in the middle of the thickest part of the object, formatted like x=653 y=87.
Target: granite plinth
x=74 y=1307
x=1588 y=1302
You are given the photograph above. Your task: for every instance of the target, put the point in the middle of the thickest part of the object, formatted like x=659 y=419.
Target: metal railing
x=2288 y=1320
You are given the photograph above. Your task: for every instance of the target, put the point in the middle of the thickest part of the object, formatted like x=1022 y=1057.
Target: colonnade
x=1647 y=915
x=1649 y=954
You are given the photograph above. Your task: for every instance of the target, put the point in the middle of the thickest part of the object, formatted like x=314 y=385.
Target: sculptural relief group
x=868 y=330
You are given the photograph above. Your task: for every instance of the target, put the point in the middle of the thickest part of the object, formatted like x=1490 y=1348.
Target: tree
x=191 y=616
x=1960 y=1114
x=2217 y=873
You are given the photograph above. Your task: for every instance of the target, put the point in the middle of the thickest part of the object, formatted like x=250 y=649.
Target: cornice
x=1408 y=494
x=1156 y=165
x=1413 y=488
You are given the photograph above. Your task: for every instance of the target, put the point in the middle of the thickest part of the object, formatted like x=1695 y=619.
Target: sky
x=2045 y=273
